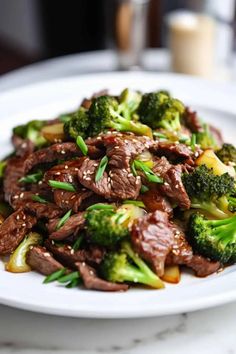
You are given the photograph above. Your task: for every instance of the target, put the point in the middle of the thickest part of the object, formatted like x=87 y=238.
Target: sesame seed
x=72 y=251
x=76 y=169
x=63 y=152
x=130 y=174
x=66 y=167
x=24 y=224
x=116 y=147
x=46 y=254
x=91 y=272
x=21 y=195
x=17 y=217
x=57 y=173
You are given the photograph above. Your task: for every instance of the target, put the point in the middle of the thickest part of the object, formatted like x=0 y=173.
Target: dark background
x=33 y=30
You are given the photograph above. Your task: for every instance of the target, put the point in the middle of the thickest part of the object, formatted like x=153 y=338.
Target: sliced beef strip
x=19 y=167
x=72 y=226
x=41 y=210
x=192 y=121
x=173 y=187
x=68 y=256
x=67 y=172
x=13 y=172
x=153 y=238
x=115 y=184
x=182 y=254
x=203 y=266
x=122 y=148
x=92 y=281
x=13 y=230
x=175 y=152
x=22 y=146
x=155 y=200
x=39 y=259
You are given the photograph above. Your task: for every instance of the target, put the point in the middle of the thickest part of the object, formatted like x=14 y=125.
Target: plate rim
x=204 y=302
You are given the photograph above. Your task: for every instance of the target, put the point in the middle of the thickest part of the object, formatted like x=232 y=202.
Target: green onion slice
x=99 y=206
x=62 y=185
x=33 y=178
x=77 y=243
x=150 y=175
x=144 y=189
x=37 y=198
x=137 y=203
x=68 y=277
x=54 y=276
x=73 y=284
x=101 y=168
x=82 y=145
x=63 y=220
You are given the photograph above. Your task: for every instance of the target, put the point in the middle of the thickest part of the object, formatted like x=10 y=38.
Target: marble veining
x=204 y=332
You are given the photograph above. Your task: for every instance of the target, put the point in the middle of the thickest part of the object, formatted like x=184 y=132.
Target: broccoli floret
x=206 y=139
x=215 y=239
x=159 y=110
x=209 y=192
x=129 y=102
x=106 y=227
x=104 y=115
x=32 y=131
x=78 y=124
x=227 y=154
x=117 y=267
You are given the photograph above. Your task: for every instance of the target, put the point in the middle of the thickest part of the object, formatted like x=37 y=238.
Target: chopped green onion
x=82 y=145
x=99 y=206
x=2 y=167
x=68 y=277
x=62 y=185
x=37 y=198
x=144 y=189
x=101 y=168
x=33 y=178
x=159 y=135
x=73 y=284
x=133 y=169
x=54 y=276
x=137 y=203
x=193 y=141
x=63 y=220
x=150 y=175
x=77 y=243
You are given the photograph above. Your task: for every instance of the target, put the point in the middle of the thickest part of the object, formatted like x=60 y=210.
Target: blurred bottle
x=201 y=41
x=130 y=32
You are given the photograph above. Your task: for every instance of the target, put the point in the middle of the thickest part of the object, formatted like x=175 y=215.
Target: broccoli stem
x=210 y=208
x=123 y=124
x=146 y=276
x=132 y=274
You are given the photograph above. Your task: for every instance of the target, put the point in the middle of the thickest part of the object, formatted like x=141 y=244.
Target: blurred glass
x=130 y=29
x=201 y=38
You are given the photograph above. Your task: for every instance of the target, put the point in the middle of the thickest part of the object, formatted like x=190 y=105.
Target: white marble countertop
x=25 y=332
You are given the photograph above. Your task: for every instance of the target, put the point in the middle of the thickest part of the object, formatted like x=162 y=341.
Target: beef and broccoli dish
x=125 y=191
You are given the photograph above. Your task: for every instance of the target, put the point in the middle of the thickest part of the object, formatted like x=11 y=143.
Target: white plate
x=215 y=102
